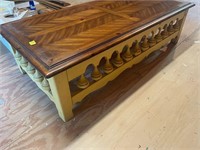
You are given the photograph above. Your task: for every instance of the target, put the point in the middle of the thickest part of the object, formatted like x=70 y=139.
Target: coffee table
x=72 y=52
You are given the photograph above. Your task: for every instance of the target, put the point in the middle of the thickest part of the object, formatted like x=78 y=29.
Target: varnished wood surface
x=160 y=111
x=69 y=36
x=29 y=120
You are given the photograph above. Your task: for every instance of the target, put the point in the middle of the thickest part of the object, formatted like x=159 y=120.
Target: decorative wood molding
x=93 y=48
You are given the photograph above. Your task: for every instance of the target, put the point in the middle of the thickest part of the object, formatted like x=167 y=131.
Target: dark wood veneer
x=71 y=35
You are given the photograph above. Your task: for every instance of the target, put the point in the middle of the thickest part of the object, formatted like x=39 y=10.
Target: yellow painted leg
x=61 y=94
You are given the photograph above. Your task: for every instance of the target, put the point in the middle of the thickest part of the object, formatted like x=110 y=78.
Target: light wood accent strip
x=118 y=14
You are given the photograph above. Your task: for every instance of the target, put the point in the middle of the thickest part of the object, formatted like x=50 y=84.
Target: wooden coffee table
x=74 y=51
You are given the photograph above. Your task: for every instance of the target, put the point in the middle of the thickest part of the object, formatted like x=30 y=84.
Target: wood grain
x=152 y=107
x=68 y=36
x=30 y=120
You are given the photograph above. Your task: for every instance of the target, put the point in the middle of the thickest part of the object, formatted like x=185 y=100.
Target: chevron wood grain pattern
x=71 y=35
x=146 y=97
x=29 y=119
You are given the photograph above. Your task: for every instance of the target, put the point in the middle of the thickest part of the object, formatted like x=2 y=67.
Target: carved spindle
x=145 y=44
x=171 y=28
x=136 y=49
x=127 y=56
x=159 y=36
x=117 y=61
x=30 y=69
x=107 y=68
x=37 y=76
x=23 y=62
x=175 y=40
x=152 y=40
x=165 y=32
x=82 y=82
x=96 y=74
x=18 y=56
x=45 y=85
x=177 y=25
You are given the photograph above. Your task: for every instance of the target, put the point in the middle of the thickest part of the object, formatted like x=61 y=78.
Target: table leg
x=62 y=96
x=175 y=41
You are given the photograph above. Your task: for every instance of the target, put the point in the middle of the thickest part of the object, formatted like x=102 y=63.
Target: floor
x=153 y=106
x=3 y=49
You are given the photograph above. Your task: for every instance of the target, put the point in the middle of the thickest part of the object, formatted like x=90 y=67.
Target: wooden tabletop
x=68 y=36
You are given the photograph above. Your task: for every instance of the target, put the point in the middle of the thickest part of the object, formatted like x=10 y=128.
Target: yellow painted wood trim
x=96 y=85
x=62 y=96
x=79 y=69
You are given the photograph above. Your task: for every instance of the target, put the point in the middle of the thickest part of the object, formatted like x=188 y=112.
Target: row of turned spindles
x=37 y=76
x=128 y=54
